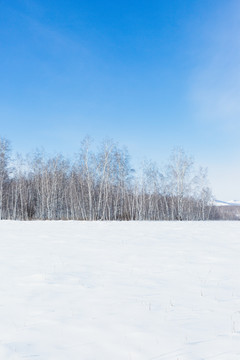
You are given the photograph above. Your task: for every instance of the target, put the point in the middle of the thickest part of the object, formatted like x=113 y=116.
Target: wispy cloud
x=215 y=84
x=32 y=15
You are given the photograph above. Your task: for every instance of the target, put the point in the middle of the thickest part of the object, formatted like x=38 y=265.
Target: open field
x=120 y=290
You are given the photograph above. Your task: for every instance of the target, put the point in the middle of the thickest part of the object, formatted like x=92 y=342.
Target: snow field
x=119 y=290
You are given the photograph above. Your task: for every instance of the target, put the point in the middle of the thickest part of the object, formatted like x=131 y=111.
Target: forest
x=99 y=183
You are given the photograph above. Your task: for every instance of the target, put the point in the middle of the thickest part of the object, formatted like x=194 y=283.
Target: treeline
x=101 y=185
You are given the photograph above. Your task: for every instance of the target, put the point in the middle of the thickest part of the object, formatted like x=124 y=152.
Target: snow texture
x=120 y=290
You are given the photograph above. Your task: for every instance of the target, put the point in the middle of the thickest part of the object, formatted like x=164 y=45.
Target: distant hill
x=226 y=210
x=226 y=203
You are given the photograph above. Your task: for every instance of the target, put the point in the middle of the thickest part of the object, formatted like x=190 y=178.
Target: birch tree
x=4 y=159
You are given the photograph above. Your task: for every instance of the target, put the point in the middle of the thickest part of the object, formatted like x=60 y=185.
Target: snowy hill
x=227 y=203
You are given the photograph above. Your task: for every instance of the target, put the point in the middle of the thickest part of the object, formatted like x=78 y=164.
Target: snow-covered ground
x=120 y=290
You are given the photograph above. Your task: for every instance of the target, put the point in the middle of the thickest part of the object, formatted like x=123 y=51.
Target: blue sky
x=152 y=75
